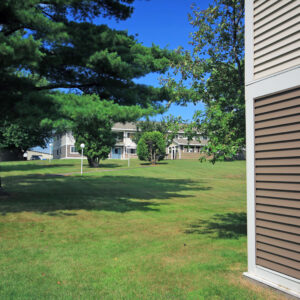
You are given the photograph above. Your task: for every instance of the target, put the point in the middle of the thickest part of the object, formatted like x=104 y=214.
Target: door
x=116 y=153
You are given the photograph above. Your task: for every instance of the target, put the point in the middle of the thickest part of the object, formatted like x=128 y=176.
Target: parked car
x=35 y=157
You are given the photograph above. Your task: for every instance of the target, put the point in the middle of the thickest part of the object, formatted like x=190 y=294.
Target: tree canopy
x=214 y=73
x=58 y=44
x=151 y=147
x=168 y=126
x=56 y=40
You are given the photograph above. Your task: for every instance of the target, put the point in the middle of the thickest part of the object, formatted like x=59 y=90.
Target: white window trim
x=73 y=152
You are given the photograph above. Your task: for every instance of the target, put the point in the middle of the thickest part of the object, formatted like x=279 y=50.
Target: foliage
x=57 y=41
x=47 y=45
x=151 y=147
x=214 y=71
x=90 y=120
x=169 y=126
x=17 y=138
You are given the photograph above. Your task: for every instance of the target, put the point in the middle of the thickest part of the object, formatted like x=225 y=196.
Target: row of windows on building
x=128 y=150
x=187 y=149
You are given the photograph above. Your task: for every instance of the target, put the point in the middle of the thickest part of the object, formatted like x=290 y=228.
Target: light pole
x=128 y=153
x=51 y=151
x=82 y=147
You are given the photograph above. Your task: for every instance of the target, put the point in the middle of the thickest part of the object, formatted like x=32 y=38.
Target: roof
x=133 y=127
x=126 y=126
x=40 y=150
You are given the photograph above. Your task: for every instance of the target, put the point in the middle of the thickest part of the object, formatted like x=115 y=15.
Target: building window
x=57 y=152
x=73 y=149
x=130 y=135
x=119 y=136
x=131 y=151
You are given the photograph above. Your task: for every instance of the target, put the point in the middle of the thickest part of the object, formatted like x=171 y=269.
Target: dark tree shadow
x=31 y=167
x=228 y=226
x=105 y=166
x=46 y=165
x=50 y=194
x=150 y=164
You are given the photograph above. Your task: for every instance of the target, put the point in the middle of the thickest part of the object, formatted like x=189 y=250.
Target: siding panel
x=276 y=36
x=277 y=182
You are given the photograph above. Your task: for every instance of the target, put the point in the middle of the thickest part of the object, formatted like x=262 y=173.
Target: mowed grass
x=173 y=231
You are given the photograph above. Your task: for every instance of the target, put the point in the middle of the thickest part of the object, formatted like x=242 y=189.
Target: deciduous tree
x=214 y=72
x=151 y=147
x=168 y=126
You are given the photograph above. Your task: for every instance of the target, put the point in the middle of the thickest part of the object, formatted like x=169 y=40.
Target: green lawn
x=173 y=231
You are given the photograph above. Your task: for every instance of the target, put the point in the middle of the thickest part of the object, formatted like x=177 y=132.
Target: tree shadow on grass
x=158 y=163
x=105 y=166
x=31 y=167
x=50 y=194
x=225 y=226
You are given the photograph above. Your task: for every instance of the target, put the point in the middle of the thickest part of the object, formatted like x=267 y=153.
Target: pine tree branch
x=63 y=86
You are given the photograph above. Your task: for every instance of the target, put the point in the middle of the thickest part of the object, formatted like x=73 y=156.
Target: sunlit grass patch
x=175 y=231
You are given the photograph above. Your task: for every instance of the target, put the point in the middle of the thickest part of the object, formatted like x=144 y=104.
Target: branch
x=11 y=31
x=63 y=85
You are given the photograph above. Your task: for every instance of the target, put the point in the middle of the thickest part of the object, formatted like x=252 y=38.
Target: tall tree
x=214 y=71
x=56 y=45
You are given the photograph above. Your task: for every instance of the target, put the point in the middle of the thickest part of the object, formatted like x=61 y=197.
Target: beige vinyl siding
x=72 y=154
x=277 y=182
x=276 y=36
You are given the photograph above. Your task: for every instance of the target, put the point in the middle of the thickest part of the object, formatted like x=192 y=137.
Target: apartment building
x=181 y=148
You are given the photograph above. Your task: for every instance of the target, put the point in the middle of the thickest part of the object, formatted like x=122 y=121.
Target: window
x=130 y=135
x=73 y=149
x=119 y=136
x=57 y=152
x=131 y=151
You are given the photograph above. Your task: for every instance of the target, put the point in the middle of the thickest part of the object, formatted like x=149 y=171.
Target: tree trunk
x=93 y=162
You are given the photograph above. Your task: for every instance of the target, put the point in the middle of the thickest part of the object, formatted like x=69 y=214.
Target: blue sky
x=164 y=23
